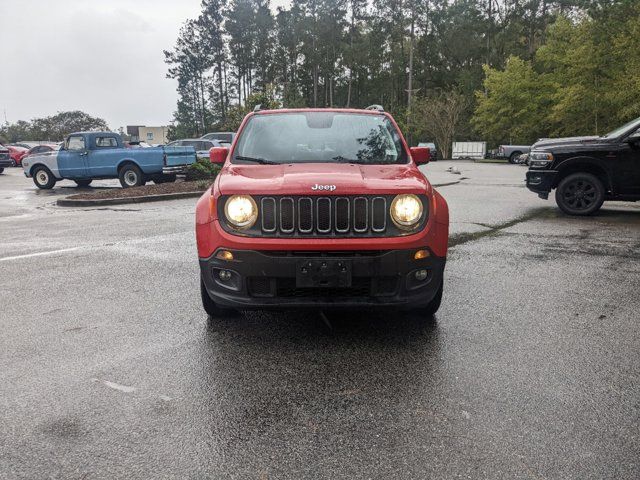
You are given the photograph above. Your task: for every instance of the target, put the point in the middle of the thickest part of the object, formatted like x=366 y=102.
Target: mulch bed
x=145 y=190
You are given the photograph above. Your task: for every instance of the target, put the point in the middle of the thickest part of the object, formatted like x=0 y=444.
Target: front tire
x=580 y=194
x=514 y=157
x=83 y=183
x=43 y=178
x=1 y=170
x=213 y=310
x=131 y=176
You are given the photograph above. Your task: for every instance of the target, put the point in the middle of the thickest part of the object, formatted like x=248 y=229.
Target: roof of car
x=94 y=133
x=197 y=140
x=302 y=110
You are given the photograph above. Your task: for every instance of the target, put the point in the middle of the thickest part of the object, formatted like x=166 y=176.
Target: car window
x=75 y=143
x=619 y=131
x=106 y=142
x=320 y=137
x=222 y=137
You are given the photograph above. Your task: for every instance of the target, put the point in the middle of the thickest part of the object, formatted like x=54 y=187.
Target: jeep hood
x=298 y=179
x=553 y=142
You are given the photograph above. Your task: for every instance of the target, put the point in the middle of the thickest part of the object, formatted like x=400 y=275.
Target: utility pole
x=410 y=79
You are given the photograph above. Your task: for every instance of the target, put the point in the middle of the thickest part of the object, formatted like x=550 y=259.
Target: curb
x=71 y=202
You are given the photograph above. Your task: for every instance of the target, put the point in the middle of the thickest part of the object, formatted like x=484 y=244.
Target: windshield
x=319 y=137
x=627 y=126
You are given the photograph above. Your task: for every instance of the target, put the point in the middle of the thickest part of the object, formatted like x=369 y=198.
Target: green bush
x=203 y=169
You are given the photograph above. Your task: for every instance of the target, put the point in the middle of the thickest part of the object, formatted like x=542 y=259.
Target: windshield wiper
x=342 y=159
x=262 y=161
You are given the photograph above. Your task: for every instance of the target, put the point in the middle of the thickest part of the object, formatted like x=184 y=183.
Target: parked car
x=512 y=152
x=16 y=153
x=201 y=145
x=43 y=148
x=433 y=151
x=85 y=156
x=225 y=137
x=22 y=145
x=5 y=158
x=587 y=171
x=470 y=150
x=137 y=144
x=334 y=214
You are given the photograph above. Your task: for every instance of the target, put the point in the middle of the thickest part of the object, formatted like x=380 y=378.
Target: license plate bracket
x=323 y=273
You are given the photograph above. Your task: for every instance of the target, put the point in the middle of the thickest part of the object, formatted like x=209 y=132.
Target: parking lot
x=109 y=369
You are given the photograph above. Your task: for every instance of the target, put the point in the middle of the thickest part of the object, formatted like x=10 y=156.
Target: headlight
x=406 y=211
x=540 y=159
x=241 y=211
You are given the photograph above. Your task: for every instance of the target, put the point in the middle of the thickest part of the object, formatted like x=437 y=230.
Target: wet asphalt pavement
x=109 y=370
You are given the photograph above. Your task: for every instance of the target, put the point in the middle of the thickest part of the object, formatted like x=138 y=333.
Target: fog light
x=421 y=275
x=420 y=254
x=535 y=180
x=225 y=275
x=224 y=255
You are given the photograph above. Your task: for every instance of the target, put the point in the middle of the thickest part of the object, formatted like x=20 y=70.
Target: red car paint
x=294 y=179
x=297 y=179
x=210 y=236
x=17 y=153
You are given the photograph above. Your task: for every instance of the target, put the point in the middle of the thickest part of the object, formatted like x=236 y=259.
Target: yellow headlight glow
x=241 y=211
x=406 y=211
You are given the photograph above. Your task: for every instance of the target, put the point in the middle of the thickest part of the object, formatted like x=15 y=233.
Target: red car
x=17 y=153
x=42 y=148
x=321 y=208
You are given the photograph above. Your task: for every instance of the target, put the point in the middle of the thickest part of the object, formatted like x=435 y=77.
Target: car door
x=628 y=173
x=72 y=157
x=101 y=160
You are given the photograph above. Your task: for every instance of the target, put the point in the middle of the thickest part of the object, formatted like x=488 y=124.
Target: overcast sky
x=100 y=56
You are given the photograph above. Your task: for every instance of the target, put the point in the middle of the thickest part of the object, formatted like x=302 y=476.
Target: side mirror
x=218 y=154
x=420 y=155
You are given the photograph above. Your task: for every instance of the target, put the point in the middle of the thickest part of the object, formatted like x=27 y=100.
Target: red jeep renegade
x=321 y=208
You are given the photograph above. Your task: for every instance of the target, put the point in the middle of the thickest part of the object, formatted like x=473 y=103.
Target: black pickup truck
x=586 y=171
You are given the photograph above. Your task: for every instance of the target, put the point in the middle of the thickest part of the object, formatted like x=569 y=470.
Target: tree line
x=53 y=128
x=502 y=70
x=584 y=80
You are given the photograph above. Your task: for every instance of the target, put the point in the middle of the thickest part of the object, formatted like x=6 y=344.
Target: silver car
x=201 y=145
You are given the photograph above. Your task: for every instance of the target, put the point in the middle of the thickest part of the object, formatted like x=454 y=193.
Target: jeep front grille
x=323 y=216
x=353 y=215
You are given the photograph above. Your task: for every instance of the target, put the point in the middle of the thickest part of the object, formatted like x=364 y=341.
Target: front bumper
x=7 y=162
x=176 y=169
x=541 y=181
x=268 y=279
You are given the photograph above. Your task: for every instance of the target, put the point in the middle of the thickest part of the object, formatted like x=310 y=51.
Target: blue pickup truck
x=86 y=156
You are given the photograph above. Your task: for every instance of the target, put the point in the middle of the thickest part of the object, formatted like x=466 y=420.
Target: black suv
x=586 y=171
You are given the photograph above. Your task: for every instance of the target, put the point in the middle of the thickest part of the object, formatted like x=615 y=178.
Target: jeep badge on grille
x=329 y=188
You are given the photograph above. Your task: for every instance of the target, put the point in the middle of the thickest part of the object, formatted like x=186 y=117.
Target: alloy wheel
x=580 y=194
